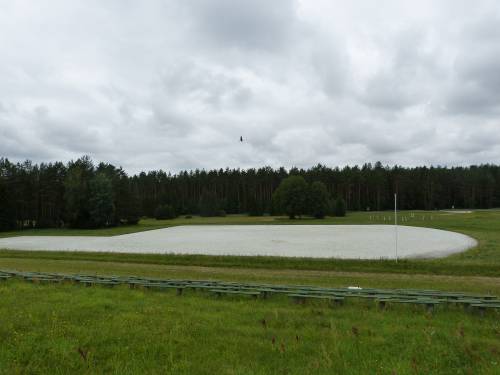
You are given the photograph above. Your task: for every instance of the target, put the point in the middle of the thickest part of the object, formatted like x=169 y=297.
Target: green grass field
x=68 y=329
x=71 y=329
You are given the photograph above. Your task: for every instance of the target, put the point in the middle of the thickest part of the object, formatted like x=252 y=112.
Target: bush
x=133 y=220
x=221 y=213
x=165 y=212
x=188 y=217
x=339 y=209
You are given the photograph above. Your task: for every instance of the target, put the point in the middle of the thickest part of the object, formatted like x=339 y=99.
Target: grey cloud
x=239 y=24
x=66 y=135
x=387 y=91
x=477 y=139
x=170 y=120
x=331 y=67
x=475 y=87
x=201 y=84
x=406 y=74
x=19 y=142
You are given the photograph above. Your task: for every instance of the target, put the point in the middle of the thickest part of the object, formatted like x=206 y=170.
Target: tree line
x=84 y=194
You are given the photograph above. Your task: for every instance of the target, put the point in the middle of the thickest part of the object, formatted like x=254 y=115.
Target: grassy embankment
x=49 y=329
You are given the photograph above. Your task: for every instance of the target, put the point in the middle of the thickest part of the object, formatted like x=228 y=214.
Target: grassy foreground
x=73 y=329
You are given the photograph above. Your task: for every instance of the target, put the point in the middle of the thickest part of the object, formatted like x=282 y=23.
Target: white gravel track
x=315 y=241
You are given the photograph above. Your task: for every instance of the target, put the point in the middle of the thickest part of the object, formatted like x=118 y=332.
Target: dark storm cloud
x=174 y=85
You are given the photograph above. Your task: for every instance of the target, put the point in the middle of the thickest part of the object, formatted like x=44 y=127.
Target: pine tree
x=209 y=204
x=77 y=192
x=340 y=209
x=100 y=204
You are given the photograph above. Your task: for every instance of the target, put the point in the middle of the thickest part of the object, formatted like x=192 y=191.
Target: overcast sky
x=174 y=84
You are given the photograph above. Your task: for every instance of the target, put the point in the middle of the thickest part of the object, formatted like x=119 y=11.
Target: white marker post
x=396 y=223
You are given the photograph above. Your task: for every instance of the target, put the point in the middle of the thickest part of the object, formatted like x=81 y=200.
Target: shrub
x=165 y=212
x=132 y=220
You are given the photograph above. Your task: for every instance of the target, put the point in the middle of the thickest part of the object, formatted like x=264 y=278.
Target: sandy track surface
x=316 y=241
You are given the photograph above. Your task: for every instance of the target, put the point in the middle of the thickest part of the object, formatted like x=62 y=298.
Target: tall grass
x=67 y=329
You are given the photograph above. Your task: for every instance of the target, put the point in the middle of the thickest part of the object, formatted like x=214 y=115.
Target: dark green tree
x=7 y=207
x=132 y=212
x=339 y=209
x=77 y=192
x=254 y=205
x=209 y=204
x=100 y=204
x=291 y=196
x=165 y=212
x=50 y=195
x=318 y=200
